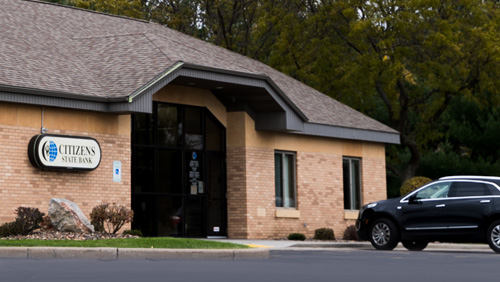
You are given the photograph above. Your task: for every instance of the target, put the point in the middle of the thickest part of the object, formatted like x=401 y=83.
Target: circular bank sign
x=60 y=152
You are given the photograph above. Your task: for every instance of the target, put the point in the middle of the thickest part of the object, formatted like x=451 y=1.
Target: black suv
x=451 y=209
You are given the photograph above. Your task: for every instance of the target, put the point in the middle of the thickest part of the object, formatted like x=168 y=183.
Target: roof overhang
x=255 y=94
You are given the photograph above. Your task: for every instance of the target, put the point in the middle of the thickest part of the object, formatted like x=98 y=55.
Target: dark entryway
x=178 y=172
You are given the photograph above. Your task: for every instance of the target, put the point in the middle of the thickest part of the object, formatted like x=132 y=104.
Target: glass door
x=178 y=172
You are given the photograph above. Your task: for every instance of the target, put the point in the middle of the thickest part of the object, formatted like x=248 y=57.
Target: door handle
x=485 y=201
x=440 y=206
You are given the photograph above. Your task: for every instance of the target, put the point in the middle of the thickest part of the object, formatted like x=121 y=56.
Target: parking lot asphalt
x=260 y=250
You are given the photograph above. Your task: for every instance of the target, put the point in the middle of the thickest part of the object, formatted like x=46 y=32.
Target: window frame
x=352 y=203
x=281 y=183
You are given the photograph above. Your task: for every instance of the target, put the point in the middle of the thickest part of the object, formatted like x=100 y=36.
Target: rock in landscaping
x=66 y=216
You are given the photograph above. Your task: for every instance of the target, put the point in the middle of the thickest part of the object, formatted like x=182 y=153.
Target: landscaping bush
x=134 y=232
x=109 y=218
x=46 y=224
x=412 y=184
x=324 y=234
x=350 y=233
x=297 y=237
x=27 y=220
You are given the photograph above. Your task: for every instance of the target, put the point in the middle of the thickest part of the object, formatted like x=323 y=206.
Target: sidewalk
x=297 y=245
x=260 y=250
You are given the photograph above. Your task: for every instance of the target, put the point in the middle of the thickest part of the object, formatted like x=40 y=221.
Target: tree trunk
x=414 y=162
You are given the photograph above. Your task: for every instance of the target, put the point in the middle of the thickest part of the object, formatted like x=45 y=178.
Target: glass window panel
x=347 y=184
x=192 y=121
x=143 y=170
x=351 y=170
x=213 y=134
x=356 y=184
x=169 y=126
x=284 y=165
x=143 y=129
x=194 y=166
x=194 y=214
x=289 y=181
x=465 y=189
x=434 y=191
x=169 y=171
x=169 y=215
x=278 y=183
x=144 y=214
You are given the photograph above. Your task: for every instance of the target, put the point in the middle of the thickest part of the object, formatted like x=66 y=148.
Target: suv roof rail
x=469 y=177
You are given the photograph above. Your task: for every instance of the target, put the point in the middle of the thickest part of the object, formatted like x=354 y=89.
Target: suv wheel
x=414 y=245
x=384 y=234
x=493 y=236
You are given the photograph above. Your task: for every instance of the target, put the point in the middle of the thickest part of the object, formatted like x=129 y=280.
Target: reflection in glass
x=351 y=169
x=194 y=132
x=169 y=216
x=169 y=126
x=284 y=166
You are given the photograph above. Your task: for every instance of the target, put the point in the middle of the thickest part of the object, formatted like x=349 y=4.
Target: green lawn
x=160 y=243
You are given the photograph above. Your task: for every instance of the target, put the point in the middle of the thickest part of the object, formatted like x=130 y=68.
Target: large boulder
x=66 y=216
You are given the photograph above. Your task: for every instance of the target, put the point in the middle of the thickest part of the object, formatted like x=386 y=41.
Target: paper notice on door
x=194 y=189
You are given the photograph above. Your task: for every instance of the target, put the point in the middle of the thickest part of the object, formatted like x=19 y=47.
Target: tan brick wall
x=237 y=193
x=251 y=197
x=21 y=184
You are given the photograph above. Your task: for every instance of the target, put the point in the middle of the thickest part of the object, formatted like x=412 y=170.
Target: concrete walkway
x=279 y=244
x=260 y=250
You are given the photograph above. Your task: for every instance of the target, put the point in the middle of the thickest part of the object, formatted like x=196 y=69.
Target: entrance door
x=178 y=172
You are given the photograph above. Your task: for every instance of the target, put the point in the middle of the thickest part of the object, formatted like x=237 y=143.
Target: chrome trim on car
x=426 y=228
x=463 y=227
x=440 y=228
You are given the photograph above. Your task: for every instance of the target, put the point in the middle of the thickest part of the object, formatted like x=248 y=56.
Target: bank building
x=197 y=140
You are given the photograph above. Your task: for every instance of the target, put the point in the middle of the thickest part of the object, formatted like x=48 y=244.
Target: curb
x=123 y=253
x=368 y=246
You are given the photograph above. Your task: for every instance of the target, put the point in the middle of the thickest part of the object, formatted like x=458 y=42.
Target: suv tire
x=384 y=234
x=414 y=245
x=493 y=236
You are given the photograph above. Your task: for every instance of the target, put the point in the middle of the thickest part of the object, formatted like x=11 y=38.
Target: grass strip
x=157 y=243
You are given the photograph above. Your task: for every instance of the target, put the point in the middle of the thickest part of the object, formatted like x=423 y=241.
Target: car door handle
x=485 y=201
x=440 y=206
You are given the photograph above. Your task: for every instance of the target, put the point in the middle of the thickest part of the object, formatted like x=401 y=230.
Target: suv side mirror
x=413 y=200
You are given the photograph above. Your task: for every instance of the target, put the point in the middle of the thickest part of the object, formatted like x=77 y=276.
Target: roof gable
x=51 y=54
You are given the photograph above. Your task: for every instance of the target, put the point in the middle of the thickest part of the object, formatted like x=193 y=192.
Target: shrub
x=350 y=233
x=412 y=184
x=324 y=234
x=297 y=237
x=46 y=223
x=134 y=232
x=110 y=218
x=27 y=220
x=10 y=229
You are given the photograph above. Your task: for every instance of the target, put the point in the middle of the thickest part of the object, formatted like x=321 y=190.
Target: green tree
x=402 y=62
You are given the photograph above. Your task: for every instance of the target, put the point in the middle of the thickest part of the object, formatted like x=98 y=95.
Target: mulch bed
x=56 y=235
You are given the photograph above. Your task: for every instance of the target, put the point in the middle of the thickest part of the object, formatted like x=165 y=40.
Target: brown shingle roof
x=67 y=50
